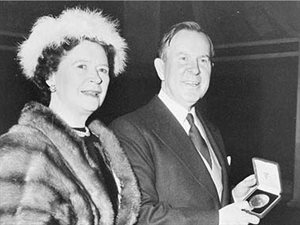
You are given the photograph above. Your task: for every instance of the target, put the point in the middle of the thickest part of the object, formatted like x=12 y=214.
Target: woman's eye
x=103 y=70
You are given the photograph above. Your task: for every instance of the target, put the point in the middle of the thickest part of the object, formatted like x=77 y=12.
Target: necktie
x=197 y=139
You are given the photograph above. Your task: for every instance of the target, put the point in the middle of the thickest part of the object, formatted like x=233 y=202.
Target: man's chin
x=193 y=99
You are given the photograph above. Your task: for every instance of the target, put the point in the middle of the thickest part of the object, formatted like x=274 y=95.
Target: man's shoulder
x=142 y=116
x=142 y=112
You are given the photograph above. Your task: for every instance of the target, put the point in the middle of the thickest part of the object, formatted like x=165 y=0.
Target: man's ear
x=160 y=67
x=51 y=80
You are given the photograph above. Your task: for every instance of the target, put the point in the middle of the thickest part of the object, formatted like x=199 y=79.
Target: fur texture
x=77 y=23
x=47 y=177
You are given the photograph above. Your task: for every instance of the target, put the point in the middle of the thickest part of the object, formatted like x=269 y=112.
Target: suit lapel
x=171 y=133
x=220 y=156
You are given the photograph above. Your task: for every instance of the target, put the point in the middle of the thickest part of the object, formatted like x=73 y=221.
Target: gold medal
x=259 y=201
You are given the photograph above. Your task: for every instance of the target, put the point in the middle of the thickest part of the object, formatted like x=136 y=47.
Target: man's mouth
x=93 y=93
x=192 y=83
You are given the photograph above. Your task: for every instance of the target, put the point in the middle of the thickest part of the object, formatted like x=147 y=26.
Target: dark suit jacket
x=176 y=187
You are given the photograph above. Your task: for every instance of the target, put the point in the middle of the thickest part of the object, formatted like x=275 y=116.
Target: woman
x=54 y=169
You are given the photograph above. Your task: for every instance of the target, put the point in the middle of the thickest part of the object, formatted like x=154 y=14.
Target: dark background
x=252 y=100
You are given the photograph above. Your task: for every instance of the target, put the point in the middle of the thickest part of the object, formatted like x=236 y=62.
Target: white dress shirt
x=180 y=114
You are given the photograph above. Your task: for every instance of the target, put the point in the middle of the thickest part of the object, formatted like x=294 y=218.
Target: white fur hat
x=75 y=23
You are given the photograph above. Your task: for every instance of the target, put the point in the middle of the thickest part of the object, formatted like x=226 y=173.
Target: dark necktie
x=197 y=139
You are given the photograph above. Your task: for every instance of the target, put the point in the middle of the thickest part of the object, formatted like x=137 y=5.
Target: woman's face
x=81 y=80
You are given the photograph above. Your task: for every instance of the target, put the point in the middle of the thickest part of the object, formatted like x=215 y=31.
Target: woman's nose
x=95 y=77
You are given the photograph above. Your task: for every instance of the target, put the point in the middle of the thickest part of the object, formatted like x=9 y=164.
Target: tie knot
x=190 y=119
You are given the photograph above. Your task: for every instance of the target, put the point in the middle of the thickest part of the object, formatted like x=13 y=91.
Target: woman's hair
x=51 y=57
x=52 y=37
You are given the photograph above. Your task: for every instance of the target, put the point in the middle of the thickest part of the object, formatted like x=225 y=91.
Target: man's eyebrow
x=208 y=56
x=185 y=53
x=79 y=61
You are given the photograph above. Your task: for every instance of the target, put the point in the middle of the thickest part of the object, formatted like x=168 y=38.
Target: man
x=182 y=182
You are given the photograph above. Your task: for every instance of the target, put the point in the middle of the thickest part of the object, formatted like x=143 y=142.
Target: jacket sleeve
x=134 y=141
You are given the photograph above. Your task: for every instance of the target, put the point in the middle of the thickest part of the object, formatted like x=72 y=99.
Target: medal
x=259 y=201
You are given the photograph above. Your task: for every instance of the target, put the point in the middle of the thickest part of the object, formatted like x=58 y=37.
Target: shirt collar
x=176 y=109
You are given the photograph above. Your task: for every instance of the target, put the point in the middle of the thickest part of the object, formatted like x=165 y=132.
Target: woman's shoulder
x=22 y=137
x=23 y=150
x=27 y=173
x=19 y=147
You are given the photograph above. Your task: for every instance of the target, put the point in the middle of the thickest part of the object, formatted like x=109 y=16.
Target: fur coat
x=47 y=177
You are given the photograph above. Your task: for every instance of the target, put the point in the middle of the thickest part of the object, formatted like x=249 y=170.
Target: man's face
x=186 y=68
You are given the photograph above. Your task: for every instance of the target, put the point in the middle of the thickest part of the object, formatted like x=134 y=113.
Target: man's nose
x=195 y=68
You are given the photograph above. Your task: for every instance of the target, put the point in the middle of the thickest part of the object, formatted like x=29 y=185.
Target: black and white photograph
x=149 y=112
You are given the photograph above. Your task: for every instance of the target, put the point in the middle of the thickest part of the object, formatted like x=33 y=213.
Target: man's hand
x=235 y=214
x=243 y=188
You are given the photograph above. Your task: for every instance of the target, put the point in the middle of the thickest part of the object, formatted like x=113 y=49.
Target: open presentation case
x=267 y=192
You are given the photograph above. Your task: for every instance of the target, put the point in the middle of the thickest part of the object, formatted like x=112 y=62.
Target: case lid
x=268 y=175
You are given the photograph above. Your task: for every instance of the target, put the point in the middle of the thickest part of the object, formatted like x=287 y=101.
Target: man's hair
x=187 y=25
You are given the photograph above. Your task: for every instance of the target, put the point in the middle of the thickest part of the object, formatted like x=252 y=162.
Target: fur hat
x=76 y=23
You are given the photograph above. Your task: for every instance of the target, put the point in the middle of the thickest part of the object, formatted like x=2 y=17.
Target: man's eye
x=183 y=58
x=82 y=66
x=205 y=60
